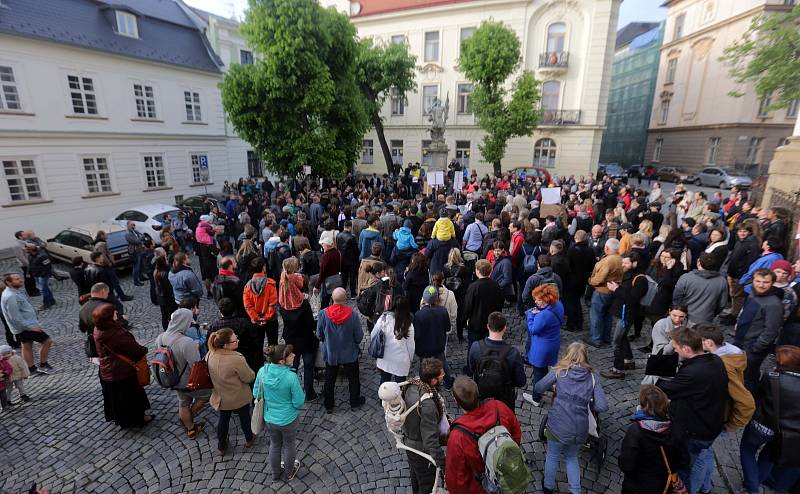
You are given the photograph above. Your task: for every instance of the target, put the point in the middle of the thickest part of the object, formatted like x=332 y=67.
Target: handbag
x=662 y=365
x=784 y=443
x=377 y=343
x=333 y=282
x=257 y=418
x=140 y=366
x=674 y=483
x=199 y=376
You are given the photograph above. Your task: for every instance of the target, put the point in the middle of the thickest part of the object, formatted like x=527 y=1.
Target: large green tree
x=380 y=68
x=489 y=58
x=768 y=55
x=300 y=103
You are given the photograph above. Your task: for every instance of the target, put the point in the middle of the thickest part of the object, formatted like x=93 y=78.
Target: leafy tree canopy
x=489 y=58
x=299 y=103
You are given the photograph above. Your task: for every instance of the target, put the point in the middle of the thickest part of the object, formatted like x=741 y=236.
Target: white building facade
x=88 y=129
x=567 y=44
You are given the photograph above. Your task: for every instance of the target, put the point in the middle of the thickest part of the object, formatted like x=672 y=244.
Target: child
x=17 y=374
x=443 y=229
x=5 y=377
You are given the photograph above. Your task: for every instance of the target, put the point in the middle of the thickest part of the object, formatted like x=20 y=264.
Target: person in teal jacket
x=283 y=395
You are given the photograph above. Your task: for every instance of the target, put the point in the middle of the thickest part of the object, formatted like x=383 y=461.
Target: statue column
x=784 y=169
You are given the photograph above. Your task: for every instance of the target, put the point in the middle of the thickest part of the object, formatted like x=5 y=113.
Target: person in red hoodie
x=260 y=300
x=463 y=462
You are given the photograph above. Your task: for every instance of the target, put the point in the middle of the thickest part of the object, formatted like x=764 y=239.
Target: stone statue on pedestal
x=437 y=116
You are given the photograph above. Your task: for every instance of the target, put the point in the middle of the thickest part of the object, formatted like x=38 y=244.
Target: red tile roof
x=373 y=7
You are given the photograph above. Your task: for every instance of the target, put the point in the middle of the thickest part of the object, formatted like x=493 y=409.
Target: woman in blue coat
x=544 y=329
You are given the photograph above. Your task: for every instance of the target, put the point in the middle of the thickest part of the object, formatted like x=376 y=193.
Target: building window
x=254 y=166
x=192 y=100
x=426 y=153
x=664 y=115
x=23 y=182
x=464 y=92
x=465 y=33
x=544 y=153
x=677 y=31
x=98 y=178
x=9 y=96
x=145 y=101
x=398 y=102
x=396 y=148
x=763 y=106
x=551 y=94
x=556 y=35
x=126 y=24
x=657 y=149
x=713 y=150
x=672 y=64
x=155 y=175
x=199 y=168
x=81 y=91
x=754 y=150
x=463 y=152
x=429 y=93
x=708 y=12
x=245 y=57
x=367 y=152
x=431 y=46
x=399 y=39
x=791 y=112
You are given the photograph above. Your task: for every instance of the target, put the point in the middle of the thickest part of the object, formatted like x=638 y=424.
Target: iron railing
x=554 y=59
x=561 y=117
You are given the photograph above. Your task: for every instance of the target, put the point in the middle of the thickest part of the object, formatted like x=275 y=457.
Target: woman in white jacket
x=398 y=350
x=447 y=299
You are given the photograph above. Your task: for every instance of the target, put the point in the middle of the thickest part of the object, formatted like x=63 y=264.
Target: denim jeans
x=702 y=464
x=538 y=375
x=224 y=422
x=43 y=284
x=622 y=345
x=308 y=372
x=137 y=266
x=601 y=317
x=282 y=446
x=570 y=451
x=754 y=471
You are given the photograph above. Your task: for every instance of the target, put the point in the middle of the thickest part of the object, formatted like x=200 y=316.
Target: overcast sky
x=632 y=10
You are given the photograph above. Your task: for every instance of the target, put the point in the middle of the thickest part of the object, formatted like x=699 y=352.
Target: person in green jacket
x=283 y=396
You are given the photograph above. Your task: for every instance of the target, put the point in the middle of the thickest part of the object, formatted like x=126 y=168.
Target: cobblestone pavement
x=61 y=440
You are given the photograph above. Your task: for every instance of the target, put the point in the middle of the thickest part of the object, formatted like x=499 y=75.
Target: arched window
x=551 y=95
x=556 y=36
x=544 y=153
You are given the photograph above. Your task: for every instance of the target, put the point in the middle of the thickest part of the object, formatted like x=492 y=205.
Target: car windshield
x=613 y=169
x=116 y=240
x=733 y=173
x=160 y=217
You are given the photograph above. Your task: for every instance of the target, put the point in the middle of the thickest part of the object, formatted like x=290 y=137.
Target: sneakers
x=45 y=306
x=359 y=403
x=529 y=398
x=126 y=298
x=46 y=368
x=613 y=373
x=291 y=475
x=630 y=365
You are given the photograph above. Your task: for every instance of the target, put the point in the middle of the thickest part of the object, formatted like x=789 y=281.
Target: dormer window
x=126 y=24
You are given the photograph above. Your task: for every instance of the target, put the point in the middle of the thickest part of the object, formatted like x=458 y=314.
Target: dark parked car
x=203 y=203
x=613 y=170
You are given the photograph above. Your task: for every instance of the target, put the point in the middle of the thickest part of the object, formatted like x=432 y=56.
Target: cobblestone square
x=61 y=441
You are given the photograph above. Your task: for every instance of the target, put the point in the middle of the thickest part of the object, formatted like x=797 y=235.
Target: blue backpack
x=529 y=260
x=200 y=337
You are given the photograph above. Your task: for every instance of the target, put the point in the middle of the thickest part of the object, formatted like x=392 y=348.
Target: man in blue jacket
x=368 y=236
x=339 y=331
x=769 y=254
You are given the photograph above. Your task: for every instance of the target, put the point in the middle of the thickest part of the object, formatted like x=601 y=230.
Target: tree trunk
x=497 y=170
x=387 y=155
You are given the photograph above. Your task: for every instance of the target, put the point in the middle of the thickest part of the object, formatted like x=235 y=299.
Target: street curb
x=723 y=474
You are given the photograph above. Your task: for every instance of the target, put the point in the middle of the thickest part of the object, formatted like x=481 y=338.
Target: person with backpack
x=544 y=336
x=496 y=364
x=775 y=427
x=231 y=377
x=627 y=307
x=278 y=253
x=416 y=279
x=366 y=279
x=578 y=394
x=543 y=276
x=228 y=285
x=397 y=329
x=652 y=447
x=347 y=243
x=261 y=301
x=457 y=277
x=175 y=355
x=465 y=467
x=474 y=234
x=339 y=331
x=431 y=325
x=298 y=322
x=422 y=429
x=368 y=237
x=251 y=338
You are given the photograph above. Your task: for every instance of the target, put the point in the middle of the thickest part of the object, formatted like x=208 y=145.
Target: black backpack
x=275 y=261
x=492 y=373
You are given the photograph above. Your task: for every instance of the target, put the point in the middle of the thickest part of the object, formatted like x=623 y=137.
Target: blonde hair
x=246 y=248
x=575 y=356
x=291 y=265
x=454 y=258
x=646 y=227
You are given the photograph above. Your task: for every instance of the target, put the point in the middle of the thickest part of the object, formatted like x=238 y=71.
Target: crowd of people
x=388 y=271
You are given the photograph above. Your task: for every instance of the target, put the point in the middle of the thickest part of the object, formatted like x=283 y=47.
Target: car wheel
x=723 y=185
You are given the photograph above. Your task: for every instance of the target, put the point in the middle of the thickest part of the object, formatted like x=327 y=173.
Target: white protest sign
x=551 y=195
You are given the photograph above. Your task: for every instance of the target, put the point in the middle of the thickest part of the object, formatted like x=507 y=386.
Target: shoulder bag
x=199 y=376
x=140 y=366
x=257 y=418
x=784 y=443
x=377 y=343
x=662 y=365
x=674 y=483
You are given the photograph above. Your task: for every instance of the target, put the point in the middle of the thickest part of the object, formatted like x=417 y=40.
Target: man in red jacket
x=463 y=461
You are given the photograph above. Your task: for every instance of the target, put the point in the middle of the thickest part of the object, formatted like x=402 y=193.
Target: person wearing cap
x=784 y=274
x=330 y=264
x=431 y=324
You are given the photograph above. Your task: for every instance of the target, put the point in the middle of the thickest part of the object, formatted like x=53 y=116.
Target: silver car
x=724 y=178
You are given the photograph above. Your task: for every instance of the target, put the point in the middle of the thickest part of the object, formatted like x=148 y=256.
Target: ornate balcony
x=554 y=60
x=560 y=117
